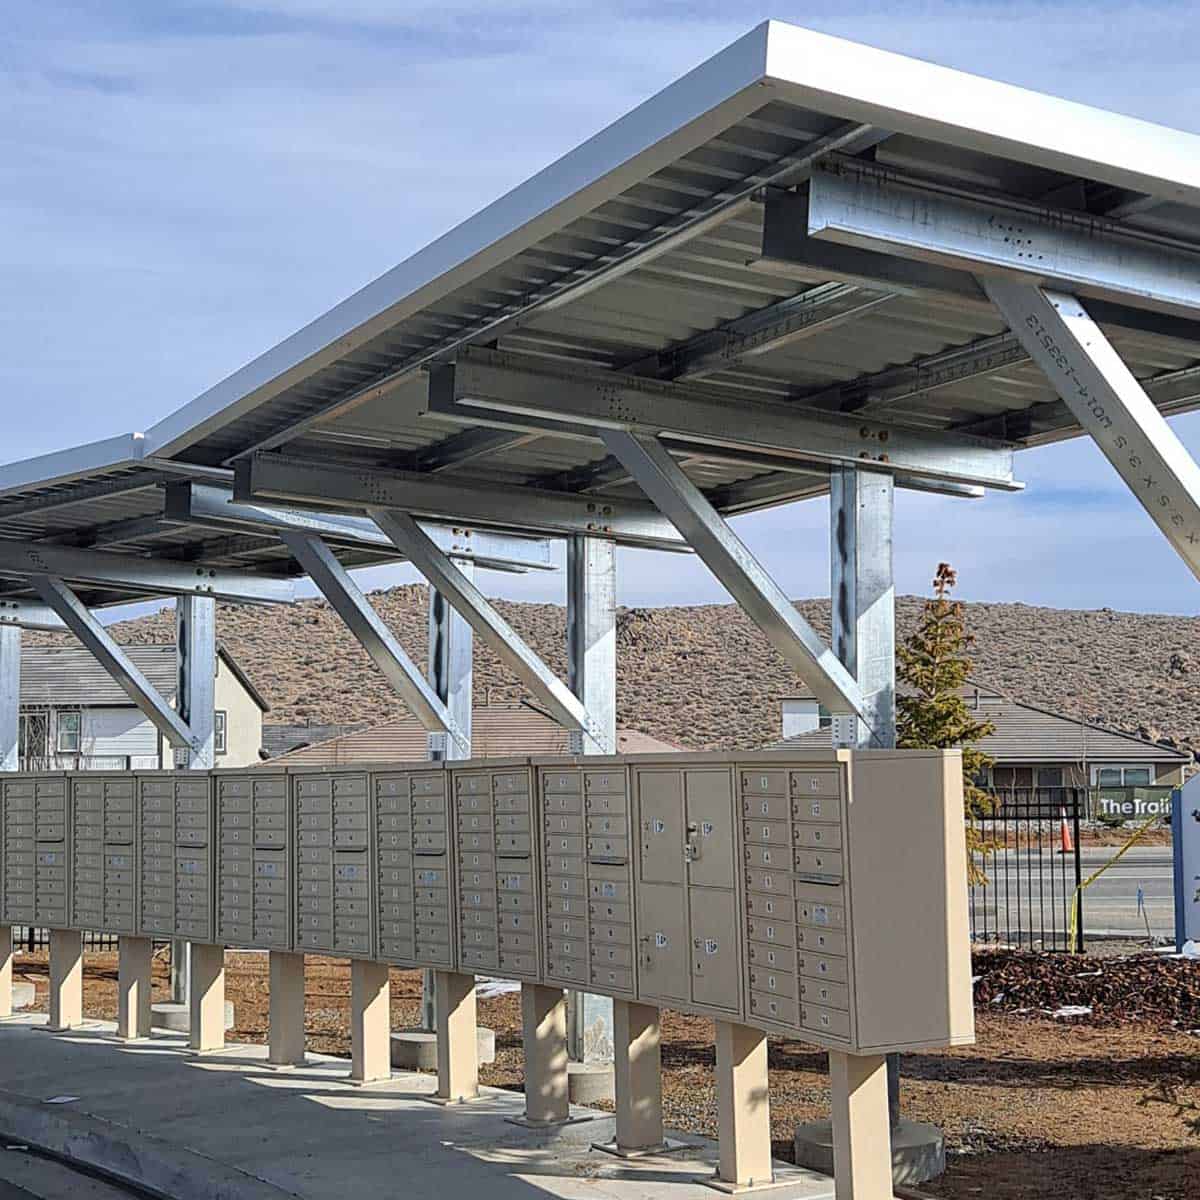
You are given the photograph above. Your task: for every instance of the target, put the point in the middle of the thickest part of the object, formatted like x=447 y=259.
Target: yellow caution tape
x=1116 y=858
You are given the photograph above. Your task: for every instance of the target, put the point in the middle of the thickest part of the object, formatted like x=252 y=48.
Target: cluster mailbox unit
x=822 y=896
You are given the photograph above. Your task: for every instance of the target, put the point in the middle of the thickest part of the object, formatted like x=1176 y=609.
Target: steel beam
x=215 y=508
x=661 y=478
x=1111 y=406
x=441 y=573
x=153 y=576
x=464 y=447
x=863 y=206
x=814 y=311
x=113 y=659
x=64 y=495
x=10 y=708
x=601 y=400
x=302 y=481
x=196 y=650
x=25 y=614
x=372 y=633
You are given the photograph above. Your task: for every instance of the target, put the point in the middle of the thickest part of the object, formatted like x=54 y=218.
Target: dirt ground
x=1036 y=1108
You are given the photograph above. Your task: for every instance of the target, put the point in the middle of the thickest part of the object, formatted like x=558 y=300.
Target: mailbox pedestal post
x=370 y=1022
x=862 y=1142
x=638 y=1045
x=134 y=965
x=544 y=1024
x=743 y=1107
x=286 y=1038
x=458 y=1049
x=6 y=971
x=206 y=1004
x=66 y=979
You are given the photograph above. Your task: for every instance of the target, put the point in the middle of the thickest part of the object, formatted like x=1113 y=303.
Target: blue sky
x=184 y=184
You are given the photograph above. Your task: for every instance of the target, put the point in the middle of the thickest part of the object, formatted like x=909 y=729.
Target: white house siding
x=113 y=739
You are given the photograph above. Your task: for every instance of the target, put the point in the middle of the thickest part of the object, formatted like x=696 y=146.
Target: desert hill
x=704 y=677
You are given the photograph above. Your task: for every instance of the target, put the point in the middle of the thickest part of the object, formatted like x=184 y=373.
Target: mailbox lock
x=691 y=848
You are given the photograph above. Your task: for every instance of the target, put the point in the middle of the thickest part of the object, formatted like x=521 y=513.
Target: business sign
x=1185 y=826
x=1132 y=803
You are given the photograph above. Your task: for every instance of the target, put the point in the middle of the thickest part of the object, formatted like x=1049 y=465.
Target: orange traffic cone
x=1064 y=833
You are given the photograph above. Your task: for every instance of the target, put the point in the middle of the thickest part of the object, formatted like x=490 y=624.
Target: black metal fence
x=27 y=938
x=1031 y=884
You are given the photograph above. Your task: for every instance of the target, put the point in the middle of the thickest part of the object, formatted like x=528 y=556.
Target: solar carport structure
x=806 y=268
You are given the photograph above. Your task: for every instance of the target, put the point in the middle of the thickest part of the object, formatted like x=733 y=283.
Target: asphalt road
x=25 y=1176
x=1110 y=904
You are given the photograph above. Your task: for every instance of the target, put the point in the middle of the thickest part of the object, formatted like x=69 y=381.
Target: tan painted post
x=457 y=1044
x=370 y=1022
x=134 y=968
x=862 y=1143
x=637 y=1053
x=743 y=1106
x=286 y=1038
x=6 y=971
x=207 y=1001
x=66 y=979
x=544 y=1024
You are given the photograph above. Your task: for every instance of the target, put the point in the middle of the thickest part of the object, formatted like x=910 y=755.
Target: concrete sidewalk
x=228 y=1127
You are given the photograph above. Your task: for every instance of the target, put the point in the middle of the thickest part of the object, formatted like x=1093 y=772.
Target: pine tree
x=932 y=713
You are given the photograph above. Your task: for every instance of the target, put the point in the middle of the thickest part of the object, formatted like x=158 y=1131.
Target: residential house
x=497 y=731
x=74 y=716
x=1034 y=748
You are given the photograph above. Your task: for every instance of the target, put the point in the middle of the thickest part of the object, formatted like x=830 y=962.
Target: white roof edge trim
x=671 y=123
x=908 y=95
x=61 y=466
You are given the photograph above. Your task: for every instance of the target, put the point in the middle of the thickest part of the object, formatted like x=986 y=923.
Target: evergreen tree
x=932 y=713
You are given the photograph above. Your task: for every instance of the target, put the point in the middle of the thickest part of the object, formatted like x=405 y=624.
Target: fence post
x=1078 y=947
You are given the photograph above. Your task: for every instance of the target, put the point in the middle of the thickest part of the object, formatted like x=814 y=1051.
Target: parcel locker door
x=661 y=815
x=710 y=828
x=663 y=972
x=715 y=962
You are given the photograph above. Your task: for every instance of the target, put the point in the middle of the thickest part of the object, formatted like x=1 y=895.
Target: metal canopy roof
x=645 y=252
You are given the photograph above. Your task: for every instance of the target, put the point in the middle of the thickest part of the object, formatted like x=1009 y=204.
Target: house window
x=1121 y=776
x=1049 y=777
x=220 y=726
x=824 y=717
x=68 y=737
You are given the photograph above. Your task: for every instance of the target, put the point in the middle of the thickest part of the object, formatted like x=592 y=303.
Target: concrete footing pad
x=918 y=1150
x=415 y=1050
x=588 y=1083
x=177 y=1019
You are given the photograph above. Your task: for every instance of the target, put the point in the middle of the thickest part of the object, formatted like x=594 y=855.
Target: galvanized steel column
x=10 y=698
x=10 y=760
x=592 y=676
x=452 y=675
x=863 y=601
x=196 y=649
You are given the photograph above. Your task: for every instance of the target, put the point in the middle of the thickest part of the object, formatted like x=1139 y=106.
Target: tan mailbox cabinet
x=103 y=852
x=587 y=880
x=855 y=894
x=414 y=911
x=175 y=843
x=333 y=861
x=497 y=869
x=254 y=859
x=20 y=848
